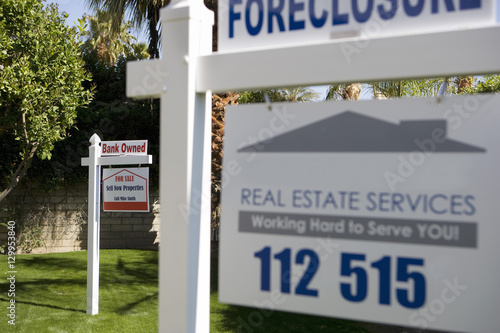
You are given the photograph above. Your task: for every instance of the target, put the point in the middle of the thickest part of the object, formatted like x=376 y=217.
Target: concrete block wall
x=60 y=221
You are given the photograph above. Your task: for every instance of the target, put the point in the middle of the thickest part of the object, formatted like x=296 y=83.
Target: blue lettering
x=468 y=203
x=308 y=203
x=470 y=4
x=254 y=30
x=316 y=22
x=295 y=198
x=330 y=200
x=382 y=201
x=455 y=203
x=388 y=14
x=433 y=208
x=370 y=198
x=338 y=18
x=269 y=197
x=296 y=7
x=256 y=197
x=413 y=205
x=275 y=12
x=353 y=198
x=362 y=17
x=245 y=195
x=413 y=10
x=233 y=16
x=449 y=6
x=397 y=200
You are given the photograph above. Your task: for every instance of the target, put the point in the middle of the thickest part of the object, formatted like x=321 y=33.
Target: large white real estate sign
x=384 y=211
x=245 y=24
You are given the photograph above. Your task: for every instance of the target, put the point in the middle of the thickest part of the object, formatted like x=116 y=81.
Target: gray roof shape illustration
x=353 y=132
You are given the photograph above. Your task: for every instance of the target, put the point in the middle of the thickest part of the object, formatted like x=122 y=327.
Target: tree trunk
x=19 y=173
x=153 y=18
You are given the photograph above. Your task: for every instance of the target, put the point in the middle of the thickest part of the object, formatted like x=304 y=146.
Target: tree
x=485 y=84
x=406 y=88
x=41 y=76
x=298 y=94
x=145 y=12
x=108 y=43
x=344 y=92
x=141 y=11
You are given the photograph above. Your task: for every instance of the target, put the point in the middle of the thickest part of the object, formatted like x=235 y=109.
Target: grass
x=51 y=297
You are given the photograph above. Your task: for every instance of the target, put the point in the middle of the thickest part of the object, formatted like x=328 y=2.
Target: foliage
x=112 y=116
x=343 y=92
x=219 y=103
x=140 y=11
x=106 y=42
x=144 y=12
x=485 y=84
x=297 y=94
x=41 y=76
x=406 y=88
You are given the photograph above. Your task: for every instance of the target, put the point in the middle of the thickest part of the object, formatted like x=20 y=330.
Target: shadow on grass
x=248 y=320
x=55 y=307
x=129 y=307
x=59 y=281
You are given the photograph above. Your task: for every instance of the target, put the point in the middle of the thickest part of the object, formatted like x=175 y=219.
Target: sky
x=76 y=8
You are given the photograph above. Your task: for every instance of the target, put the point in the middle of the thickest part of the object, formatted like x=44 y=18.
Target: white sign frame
x=186 y=74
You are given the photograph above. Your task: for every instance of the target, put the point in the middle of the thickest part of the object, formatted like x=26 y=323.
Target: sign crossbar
x=442 y=54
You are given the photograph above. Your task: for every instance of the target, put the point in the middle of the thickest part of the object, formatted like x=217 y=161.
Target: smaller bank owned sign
x=126 y=190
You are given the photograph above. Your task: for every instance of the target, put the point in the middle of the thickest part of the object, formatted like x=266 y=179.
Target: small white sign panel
x=125 y=190
x=245 y=24
x=382 y=211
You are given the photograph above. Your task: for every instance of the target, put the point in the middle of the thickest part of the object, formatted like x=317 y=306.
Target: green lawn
x=51 y=297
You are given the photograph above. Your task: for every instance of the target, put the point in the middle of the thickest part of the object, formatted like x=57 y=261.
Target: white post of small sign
x=184 y=264
x=94 y=211
x=94 y=162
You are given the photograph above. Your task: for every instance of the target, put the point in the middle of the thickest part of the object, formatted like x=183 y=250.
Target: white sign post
x=186 y=73
x=94 y=162
x=184 y=277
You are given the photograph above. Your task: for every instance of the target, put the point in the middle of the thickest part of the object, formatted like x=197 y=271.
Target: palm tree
x=145 y=11
x=407 y=88
x=140 y=12
x=300 y=94
x=138 y=51
x=350 y=92
x=107 y=42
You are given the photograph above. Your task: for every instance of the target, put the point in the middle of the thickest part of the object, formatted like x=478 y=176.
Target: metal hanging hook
x=442 y=90
x=268 y=101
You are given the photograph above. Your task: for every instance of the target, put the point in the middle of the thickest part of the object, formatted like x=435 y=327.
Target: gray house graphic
x=353 y=132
